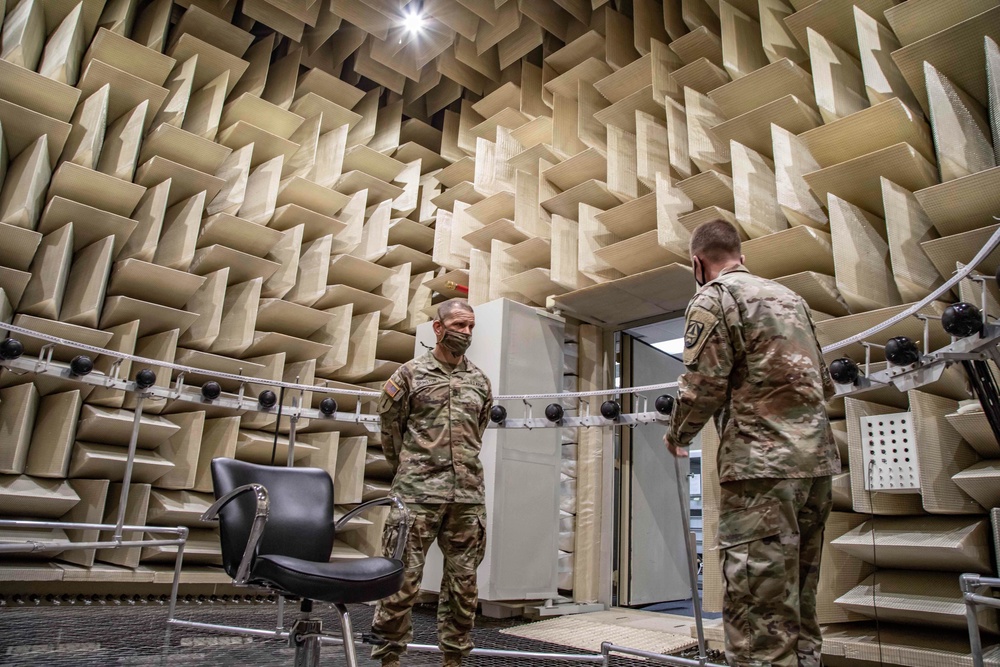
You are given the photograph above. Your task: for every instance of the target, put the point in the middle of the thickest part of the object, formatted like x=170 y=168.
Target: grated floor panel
x=77 y=636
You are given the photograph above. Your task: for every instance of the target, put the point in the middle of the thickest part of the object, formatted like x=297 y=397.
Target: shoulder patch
x=391 y=388
x=700 y=323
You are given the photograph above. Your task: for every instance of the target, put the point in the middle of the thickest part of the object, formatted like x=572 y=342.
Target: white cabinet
x=520 y=350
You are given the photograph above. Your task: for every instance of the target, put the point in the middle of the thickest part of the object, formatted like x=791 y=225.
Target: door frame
x=625 y=476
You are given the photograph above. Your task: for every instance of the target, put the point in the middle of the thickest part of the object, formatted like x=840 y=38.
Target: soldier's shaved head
x=716 y=241
x=450 y=306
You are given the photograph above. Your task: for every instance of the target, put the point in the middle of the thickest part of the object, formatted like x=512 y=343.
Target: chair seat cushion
x=347 y=581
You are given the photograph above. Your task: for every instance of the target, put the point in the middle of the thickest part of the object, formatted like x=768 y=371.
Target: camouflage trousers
x=460 y=530
x=771 y=540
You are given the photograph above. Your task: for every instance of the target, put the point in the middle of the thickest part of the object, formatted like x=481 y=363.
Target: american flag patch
x=391 y=388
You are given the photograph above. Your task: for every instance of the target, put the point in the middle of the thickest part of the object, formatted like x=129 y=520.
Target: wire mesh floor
x=137 y=635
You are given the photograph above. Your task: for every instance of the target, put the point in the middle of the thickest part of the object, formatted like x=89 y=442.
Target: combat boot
x=452 y=660
x=390 y=661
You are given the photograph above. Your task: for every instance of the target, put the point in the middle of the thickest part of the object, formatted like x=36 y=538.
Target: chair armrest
x=403 y=525
x=256 y=530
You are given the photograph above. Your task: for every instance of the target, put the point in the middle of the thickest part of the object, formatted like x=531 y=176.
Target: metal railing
x=929 y=369
x=973 y=588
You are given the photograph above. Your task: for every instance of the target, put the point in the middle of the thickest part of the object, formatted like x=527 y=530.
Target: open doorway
x=651 y=563
x=668 y=337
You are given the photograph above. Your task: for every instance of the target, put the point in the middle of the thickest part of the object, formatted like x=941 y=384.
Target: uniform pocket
x=463 y=536
x=749 y=524
x=753 y=562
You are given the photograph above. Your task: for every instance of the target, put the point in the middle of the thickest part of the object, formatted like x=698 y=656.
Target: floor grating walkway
x=101 y=635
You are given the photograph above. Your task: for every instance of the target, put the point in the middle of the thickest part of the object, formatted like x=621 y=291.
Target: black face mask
x=702 y=281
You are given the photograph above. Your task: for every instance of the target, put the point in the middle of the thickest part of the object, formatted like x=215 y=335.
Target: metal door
x=652 y=567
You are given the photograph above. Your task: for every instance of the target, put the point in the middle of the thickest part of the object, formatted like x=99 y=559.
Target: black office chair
x=277 y=529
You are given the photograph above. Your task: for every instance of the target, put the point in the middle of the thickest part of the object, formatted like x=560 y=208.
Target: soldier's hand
x=680 y=452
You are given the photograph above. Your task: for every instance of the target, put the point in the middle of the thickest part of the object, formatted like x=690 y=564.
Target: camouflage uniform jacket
x=754 y=363
x=433 y=417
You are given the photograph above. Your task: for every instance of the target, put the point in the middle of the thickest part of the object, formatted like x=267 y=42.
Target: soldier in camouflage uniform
x=753 y=363
x=433 y=412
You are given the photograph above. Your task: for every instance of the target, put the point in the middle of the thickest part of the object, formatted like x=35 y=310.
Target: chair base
x=305 y=636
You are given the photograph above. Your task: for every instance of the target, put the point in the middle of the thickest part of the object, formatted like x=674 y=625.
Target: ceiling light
x=413 y=22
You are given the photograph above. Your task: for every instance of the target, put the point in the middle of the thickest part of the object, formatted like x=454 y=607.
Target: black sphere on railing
x=145 y=379
x=844 y=371
x=553 y=412
x=498 y=414
x=81 y=365
x=11 y=348
x=211 y=390
x=664 y=404
x=611 y=410
x=901 y=351
x=328 y=406
x=267 y=399
x=962 y=319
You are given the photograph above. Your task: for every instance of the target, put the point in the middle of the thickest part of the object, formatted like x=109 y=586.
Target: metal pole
x=346 y=630
x=127 y=480
x=292 y=422
x=984 y=600
x=984 y=302
x=521 y=655
x=608 y=648
x=692 y=569
x=43 y=547
x=230 y=629
x=277 y=424
x=975 y=641
x=177 y=575
x=74 y=525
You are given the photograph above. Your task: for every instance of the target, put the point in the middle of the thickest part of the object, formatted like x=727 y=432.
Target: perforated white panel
x=890 y=458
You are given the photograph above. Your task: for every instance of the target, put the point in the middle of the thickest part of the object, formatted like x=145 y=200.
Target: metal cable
x=48 y=338
x=585 y=394
x=987 y=248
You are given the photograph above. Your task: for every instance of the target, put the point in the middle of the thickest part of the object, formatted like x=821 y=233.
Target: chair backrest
x=300 y=522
